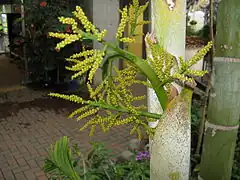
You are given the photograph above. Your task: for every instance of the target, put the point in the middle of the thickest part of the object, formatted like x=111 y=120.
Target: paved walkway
x=28 y=129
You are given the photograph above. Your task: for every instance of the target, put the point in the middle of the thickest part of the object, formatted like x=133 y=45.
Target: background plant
x=45 y=64
x=97 y=164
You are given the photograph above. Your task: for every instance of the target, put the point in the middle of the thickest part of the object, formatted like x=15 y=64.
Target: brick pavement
x=26 y=133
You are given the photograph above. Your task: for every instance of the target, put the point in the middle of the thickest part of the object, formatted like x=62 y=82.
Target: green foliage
x=114 y=95
x=44 y=63
x=60 y=161
x=96 y=165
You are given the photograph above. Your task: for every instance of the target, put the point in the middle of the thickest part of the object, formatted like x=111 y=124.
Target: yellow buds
x=59 y=35
x=88 y=26
x=200 y=54
x=68 y=40
x=135 y=3
x=98 y=60
x=127 y=40
x=70 y=21
x=87 y=113
x=93 y=59
x=78 y=111
x=101 y=35
x=72 y=98
x=123 y=23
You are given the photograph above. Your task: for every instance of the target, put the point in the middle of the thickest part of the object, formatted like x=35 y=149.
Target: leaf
x=107 y=66
x=60 y=160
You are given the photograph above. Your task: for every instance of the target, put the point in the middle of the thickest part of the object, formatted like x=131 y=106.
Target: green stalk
x=146 y=69
x=102 y=105
x=122 y=109
x=224 y=103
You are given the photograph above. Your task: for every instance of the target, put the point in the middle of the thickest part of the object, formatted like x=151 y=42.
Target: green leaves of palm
x=60 y=161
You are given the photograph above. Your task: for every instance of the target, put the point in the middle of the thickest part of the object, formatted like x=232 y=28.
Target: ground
x=30 y=121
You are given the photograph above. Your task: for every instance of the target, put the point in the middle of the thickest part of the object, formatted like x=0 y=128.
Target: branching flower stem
x=122 y=109
x=103 y=105
x=146 y=69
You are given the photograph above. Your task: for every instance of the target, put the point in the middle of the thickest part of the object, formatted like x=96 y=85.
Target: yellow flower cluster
x=94 y=94
x=130 y=16
x=161 y=61
x=88 y=26
x=125 y=121
x=115 y=92
x=113 y=97
x=98 y=60
x=88 y=113
x=181 y=77
x=70 y=39
x=69 y=21
x=143 y=23
x=135 y=3
x=135 y=10
x=200 y=54
x=64 y=20
x=167 y=67
x=78 y=111
x=77 y=32
x=72 y=98
x=196 y=72
x=101 y=35
x=83 y=54
x=59 y=35
x=123 y=23
x=127 y=40
x=92 y=61
x=118 y=94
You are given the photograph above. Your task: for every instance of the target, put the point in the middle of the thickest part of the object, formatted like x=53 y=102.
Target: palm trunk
x=170 y=147
x=223 y=113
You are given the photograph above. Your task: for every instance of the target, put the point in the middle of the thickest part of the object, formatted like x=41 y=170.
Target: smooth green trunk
x=170 y=146
x=219 y=141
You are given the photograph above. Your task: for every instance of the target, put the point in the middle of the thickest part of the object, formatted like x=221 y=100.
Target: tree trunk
x=223 y=113
x=170 y=147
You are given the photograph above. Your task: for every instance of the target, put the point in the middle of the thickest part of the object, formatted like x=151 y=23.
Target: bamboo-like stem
x=223 y=108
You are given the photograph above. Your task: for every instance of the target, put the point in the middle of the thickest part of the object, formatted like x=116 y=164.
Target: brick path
x=28 y=128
